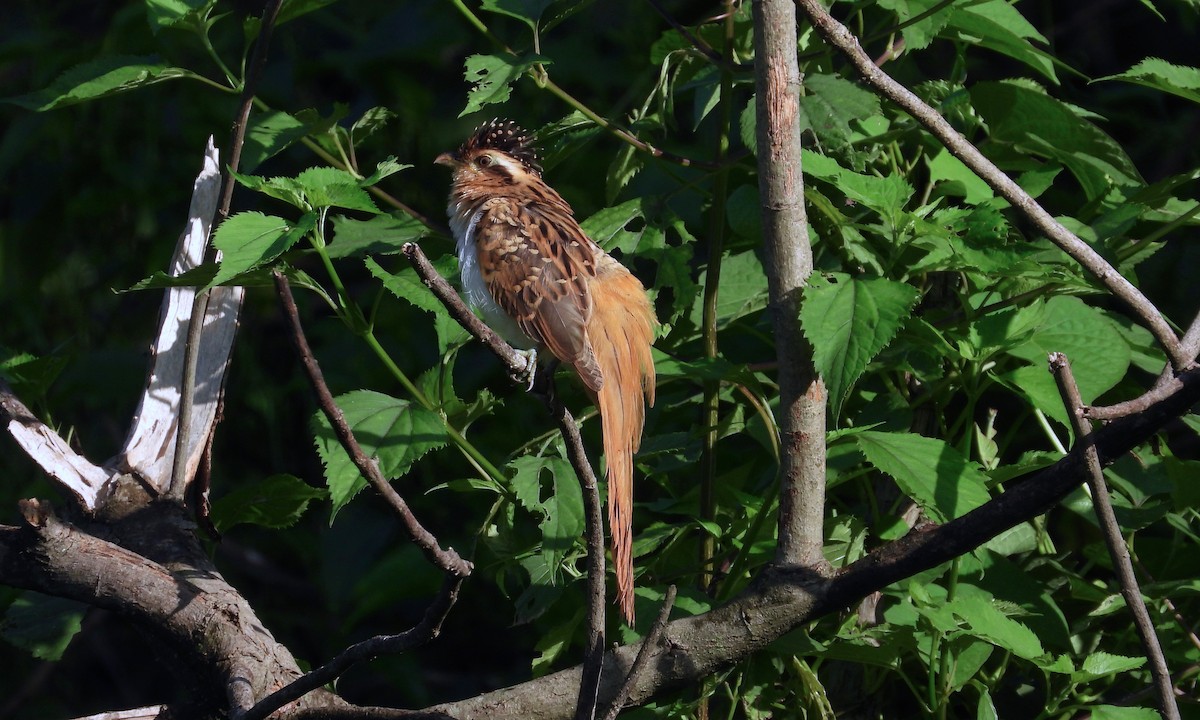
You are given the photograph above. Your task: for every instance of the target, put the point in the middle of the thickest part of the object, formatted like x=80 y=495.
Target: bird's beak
x=446 y=159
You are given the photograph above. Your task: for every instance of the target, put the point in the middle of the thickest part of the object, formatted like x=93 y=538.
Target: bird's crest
x=507 y=137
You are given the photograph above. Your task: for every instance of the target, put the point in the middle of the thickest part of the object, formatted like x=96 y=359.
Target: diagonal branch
x=448 y=560
x=1117 y=550
x=840 y=37
x=781 y=599
x=428 y=629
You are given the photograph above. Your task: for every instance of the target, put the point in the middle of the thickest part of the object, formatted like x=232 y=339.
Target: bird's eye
x=485 y=161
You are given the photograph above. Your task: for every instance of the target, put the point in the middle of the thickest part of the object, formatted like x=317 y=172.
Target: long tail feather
x=621 y=330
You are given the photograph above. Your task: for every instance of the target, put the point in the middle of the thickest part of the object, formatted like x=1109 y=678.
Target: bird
x=543 y=285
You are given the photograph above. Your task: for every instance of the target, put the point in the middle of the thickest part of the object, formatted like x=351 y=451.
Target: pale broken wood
x=149 y=448
x=145 y=713
x=46 y=447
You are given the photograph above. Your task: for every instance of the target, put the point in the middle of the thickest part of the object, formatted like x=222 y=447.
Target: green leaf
x=743 y=289
x=332 y=187
x=491 y=76
x=527 y=11
x=385 y=168
x=42 y=624
x=625 y=164
x=1071 y=327
x=527 y=481
x=988 y=622
x=944 y=483
x=997 y=25
x=171 y=13
x=1121 y=712
x=99 y=78
x=251 y=239
x=830 y=104
x=955 y=178
x=381 y=235
x=268 y=134
x=370 y=121
x=1032 y=121
x=395 y=432
x=1181 y=80
x=918 y=35
x=563 y=524
x=31 y=375
x=407 y=286
x=885 y=195
x=276 y=502
x=848 y=321
x=1102 y=664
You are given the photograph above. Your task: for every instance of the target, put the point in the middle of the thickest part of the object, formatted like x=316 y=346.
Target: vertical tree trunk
x=788 y=264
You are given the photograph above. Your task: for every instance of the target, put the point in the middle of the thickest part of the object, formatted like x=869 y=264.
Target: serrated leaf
x=275 y=502
x=1102 y=664
x=1071 y=327
x=988 y=622
x=393 y=431
x=625 y=164
x=830 y=104
x=944 y=483
x=1031 y=120
x=917 y=35
x=268 y=134
x=332 y=187
x=251 y=239
x=380 y=235
x=99 y=78
x=491 y=76
x=1122 y=712
x=408 y=287
x=527 y=481
x=384 y=168
x=743 y=289
x=171 y=13
x=998 y=26
x=371 y=120
x=42 y=624
x=563 y=524
x=1181 y=80
x=848 y=321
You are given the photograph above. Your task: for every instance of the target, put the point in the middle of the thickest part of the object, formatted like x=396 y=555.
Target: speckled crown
x=507 y=137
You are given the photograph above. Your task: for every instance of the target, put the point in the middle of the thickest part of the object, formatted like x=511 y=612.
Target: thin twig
x=187 y=389
x=448 y=560
x=840 y=37
x=517 y=365
x=428 y=629
x=715 y=57
x=649 y=645
x=1161 y=390
x=593 y=658
x=1117 y=550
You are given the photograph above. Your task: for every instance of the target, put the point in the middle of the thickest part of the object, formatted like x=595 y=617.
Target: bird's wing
x=538 y=265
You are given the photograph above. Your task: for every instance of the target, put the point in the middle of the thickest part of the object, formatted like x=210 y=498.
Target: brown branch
x=428 y=629
x=187 y=388
x=781 y=599
x=788 y=264
x=643 y=655
x=448 y=560
x=840 y=37
x=1118 y=551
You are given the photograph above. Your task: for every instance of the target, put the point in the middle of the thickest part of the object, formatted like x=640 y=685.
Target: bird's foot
x=529 y=374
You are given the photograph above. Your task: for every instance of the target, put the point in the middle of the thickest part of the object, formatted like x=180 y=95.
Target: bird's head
x=498 y=154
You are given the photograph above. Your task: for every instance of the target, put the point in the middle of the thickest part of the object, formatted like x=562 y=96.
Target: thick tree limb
x=840 y=37
x=781 y=599
x=1117 y=550
x=788 y=265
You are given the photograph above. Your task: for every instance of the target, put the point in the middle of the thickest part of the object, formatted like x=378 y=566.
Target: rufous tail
x=621 y=331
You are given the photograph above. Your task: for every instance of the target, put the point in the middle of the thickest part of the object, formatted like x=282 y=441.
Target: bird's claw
x=529 y=374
